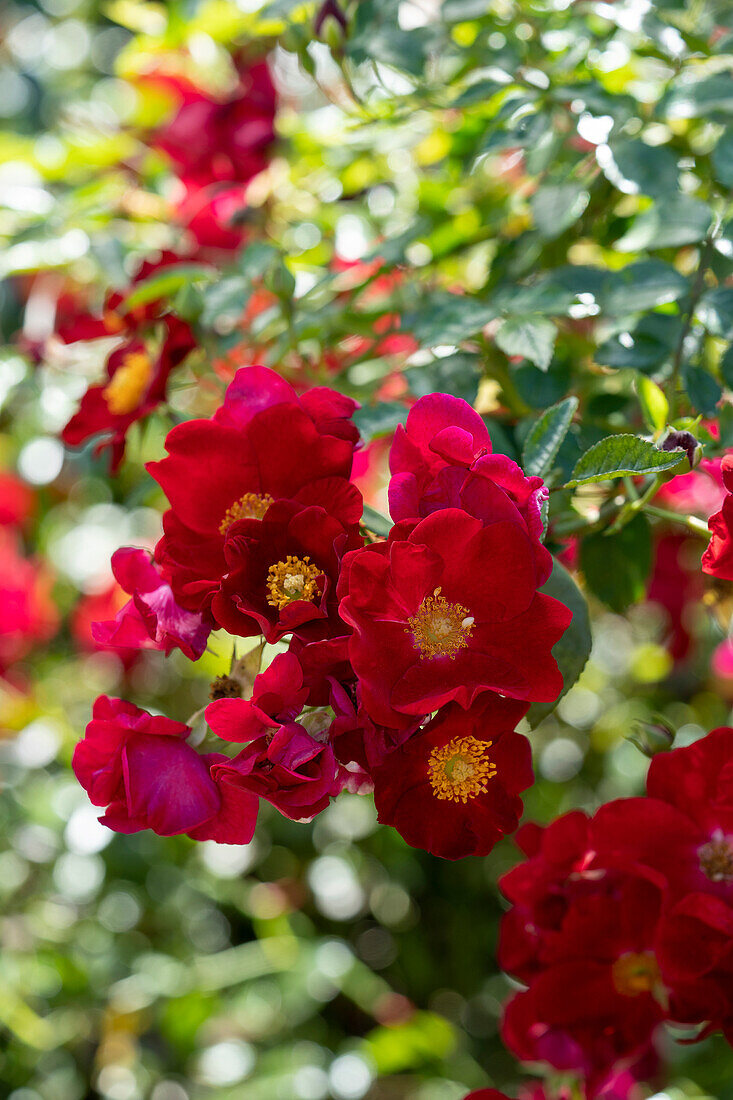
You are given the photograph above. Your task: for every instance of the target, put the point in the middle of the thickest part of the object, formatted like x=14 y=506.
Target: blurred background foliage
x=545 y=188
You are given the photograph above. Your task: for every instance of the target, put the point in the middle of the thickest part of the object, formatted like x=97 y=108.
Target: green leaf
x=715 y=311
x=723 y=159
x=374 y=521
x=532 y=337
x=702 y=389
x=653 y=169
x=226 y=299
x=714 y=94
x=616 y=567
x=165 y=283
x=621 y=456
x=448 y=318
x=381 y=419
x=572 y=650
x=645 y=347
x=457 y=374
x=654 y=405
x=642 y=286
x=545 y=437
x=674 y=221
x=479 y=92
x=556 y=206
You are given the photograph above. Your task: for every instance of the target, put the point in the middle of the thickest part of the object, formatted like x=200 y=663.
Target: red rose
x=211 y=139
x=442 y=459
x=137 y=385
x=258 y=449
x=283 y=571
x=718 y=557
x=141 y=768
x=447 y=612
x=453 y=788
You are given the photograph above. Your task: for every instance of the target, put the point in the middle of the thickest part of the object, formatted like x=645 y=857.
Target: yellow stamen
x=461 y=769
x=635 y=973
x=112 y=321
x=249 y=506
x=439 y=628
x=291 y=580
x=126 y=388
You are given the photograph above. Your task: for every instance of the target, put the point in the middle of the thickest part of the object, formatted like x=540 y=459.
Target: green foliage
x=621 y=456
x=616 y=566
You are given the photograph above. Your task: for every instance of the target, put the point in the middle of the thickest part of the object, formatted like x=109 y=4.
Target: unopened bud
x=685 y=441
x=654 y=736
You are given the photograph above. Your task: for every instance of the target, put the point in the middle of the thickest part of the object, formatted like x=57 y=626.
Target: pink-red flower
x=445 y=611
x=151 y=619
x=265 y=444
x=453 y=787
x=17 y=500
x=136 y=384
x=718 y=557
x=443 y=458
x=282 y=762
x=213 y=139
x=142 y=769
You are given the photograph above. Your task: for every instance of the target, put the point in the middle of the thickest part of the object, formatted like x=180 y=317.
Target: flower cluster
x=632 y=911
x=409 y=660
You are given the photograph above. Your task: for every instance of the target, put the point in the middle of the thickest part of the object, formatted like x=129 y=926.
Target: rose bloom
x=684 y=830
x=283 y=570
x=282 y=763
x=142 y=769
x=676 y=585
x=151 y=619
x=446 y=610
x=603 y=951
x=453 y=787
x=442 y=458
x=212 y=139
x=264 y=444
x=28 y=615
x=90 y=611
x=137 y=384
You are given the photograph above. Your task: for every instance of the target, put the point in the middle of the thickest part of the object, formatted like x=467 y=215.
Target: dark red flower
x=264 y=445
x=283 y=763
x=210 y=139
x=151 y=619
x=601 y=993
x=452 y=788
x=442 y=459
x=137 y=384
x=718 y=557
x=283 y=571
x=447 y=612
x=684 y=828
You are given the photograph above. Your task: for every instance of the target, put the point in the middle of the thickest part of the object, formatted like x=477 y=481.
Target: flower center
x=439 y=628
x=635 y=973
x=461 y=769
x=127 y=387
x=128 y=384
x=113 y=321
x=291 y=580
x=249 y=506
x=716 y=858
